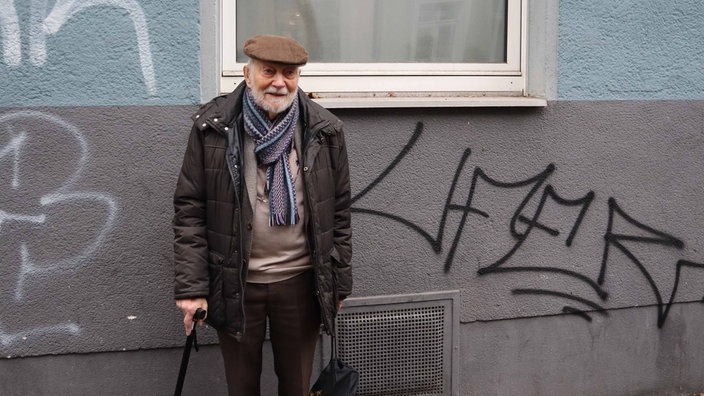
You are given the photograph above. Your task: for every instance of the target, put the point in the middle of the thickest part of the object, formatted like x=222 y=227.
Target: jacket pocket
x=216 y=299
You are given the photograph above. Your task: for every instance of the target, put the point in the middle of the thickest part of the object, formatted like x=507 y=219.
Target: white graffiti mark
x=14 y=147
x=10 y=29
x=9 y=339
x=34 y=124
x=37 y=35
x=29 y=267
x=65 y=9
x=5 y=216
x=42 y=25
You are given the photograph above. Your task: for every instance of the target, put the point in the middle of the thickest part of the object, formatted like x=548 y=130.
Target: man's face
x=273 y=85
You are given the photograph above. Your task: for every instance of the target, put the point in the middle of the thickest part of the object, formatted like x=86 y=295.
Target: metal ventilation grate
x=401 y=345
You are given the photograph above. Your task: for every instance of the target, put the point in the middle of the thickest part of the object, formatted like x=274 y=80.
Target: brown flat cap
x=280 y=49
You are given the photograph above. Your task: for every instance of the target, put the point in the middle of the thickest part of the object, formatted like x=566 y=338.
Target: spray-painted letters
x=33 y=197
x=42 y=25
x=529 y=223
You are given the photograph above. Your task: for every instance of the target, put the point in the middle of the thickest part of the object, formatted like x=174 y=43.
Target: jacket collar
x=220 y=113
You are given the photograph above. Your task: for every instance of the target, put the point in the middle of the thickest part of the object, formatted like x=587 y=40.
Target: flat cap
x=279 y=49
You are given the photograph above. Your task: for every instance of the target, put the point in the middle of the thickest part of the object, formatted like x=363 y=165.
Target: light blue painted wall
x=628 y=50
x=631 y=49
x=131 y=52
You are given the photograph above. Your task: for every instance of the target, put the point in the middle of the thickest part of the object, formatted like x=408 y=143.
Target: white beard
x=277 y=106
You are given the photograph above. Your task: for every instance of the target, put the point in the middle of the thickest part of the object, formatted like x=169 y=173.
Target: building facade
x=563 y=218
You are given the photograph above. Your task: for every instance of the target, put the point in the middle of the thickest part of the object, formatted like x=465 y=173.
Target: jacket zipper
x=230 y=138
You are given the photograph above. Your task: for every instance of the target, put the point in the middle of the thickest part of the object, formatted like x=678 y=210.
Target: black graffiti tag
x=537 y=186
x=656 y=237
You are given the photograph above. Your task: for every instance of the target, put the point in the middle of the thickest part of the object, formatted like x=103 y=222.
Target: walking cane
x=191 y=340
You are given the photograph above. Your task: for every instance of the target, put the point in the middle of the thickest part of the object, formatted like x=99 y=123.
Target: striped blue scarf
x=272 y=141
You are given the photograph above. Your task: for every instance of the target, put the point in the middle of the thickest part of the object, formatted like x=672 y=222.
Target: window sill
x=453 y=101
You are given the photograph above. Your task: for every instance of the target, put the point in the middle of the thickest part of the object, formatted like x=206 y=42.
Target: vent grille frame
x=401 y=345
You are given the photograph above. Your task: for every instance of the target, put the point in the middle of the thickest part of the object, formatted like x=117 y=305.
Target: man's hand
x=188 y=306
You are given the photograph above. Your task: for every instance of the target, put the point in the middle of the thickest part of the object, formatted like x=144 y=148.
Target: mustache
x=280 y=91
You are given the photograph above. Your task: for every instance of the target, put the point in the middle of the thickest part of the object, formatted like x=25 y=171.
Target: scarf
x=272 y=141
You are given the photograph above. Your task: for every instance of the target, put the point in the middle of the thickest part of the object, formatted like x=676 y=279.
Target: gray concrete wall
x=600 y=296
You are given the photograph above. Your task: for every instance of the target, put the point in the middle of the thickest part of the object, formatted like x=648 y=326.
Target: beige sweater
x=280 y=252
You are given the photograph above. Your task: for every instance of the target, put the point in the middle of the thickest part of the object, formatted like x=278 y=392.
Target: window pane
x=389 y=31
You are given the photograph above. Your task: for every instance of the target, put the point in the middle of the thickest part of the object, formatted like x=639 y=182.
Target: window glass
x=407 y=51
x=383 y=31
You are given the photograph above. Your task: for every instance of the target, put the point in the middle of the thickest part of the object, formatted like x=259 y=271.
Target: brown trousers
x=294 y=326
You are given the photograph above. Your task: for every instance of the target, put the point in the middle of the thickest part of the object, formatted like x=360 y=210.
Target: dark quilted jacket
x=212 y=220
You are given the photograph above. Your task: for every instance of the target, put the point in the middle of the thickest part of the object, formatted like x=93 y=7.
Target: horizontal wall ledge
x=395 y=102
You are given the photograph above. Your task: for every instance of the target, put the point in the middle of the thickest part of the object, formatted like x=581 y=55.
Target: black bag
x=337 y=378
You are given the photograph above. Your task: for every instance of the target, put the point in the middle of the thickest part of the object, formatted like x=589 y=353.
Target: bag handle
x=336 y=302
x=333 y=345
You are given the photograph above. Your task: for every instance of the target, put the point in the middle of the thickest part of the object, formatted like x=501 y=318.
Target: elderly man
x=262 y=220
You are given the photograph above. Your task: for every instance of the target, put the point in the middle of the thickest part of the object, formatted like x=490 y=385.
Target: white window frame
x=403 y=84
